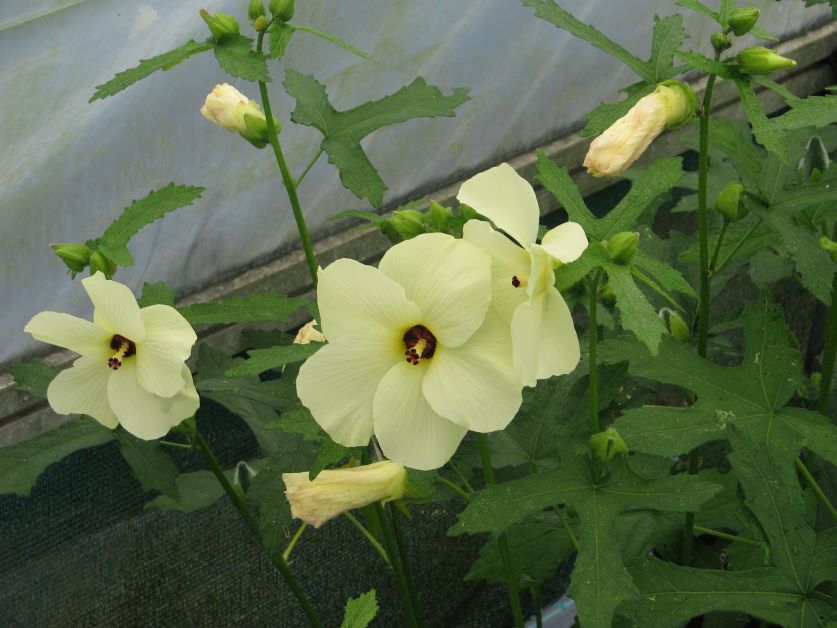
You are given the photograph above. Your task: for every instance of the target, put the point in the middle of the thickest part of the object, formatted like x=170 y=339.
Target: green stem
x=703 y=312
x=237 y=499
x=803 y=470
x=502 y=542
x=395 y=562
x=455 y=468
x=593 y=342
x=535 y=590
x=740 y=243
x=290 y=185
x=308 y=167
x=718 y=247
x=829 y=353
x=453 y=487
x=405 y=560
x=368 y=536
x=724 y=535
x=287 y=553
x=168 y=443
x=567 y=527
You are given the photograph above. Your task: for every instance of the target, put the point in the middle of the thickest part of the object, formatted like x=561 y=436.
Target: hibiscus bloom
x=544 y=341
x=414 y=356
x=131 y=370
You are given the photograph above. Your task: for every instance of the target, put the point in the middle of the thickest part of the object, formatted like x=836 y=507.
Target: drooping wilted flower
x=413 y=356
x=131 y=370
x=336 y=491
x=613 y=152
x=544 y=340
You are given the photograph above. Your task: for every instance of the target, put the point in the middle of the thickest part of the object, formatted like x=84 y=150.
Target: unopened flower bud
x=720 y=42
x=229 y=108
x=408 y=223
x=220 y=24
x=606 y=293
x=829 y=246
x=100 y=263
x=742 y=20
x=761 y=60
x=674 y=324
x=671 y=105
x=336 y=491
x=308 y=333
x=622 y=246
x=607 y=445
x=815 y=162
x=255 y=10
x=439 y=216
x=282 y=10
x=261 y=23
x=728 y=203
x=75 y=256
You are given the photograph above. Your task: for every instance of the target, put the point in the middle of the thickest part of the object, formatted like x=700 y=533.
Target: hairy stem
x=287 y=179
x=502 y=542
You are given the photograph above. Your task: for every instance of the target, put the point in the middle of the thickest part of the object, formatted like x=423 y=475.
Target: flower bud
x=336 y=491
x=607 y=445
x=829 y=246
x=606 y=293
x=308 y=333
x=674 y=324
x=814 y=162
x=75 y=256
x=761 y=60
x=98 y=262
x=439 y=216
x=720 y=42
x=408 y=223
x=255 y=10
x=622 y=246
x=671 y=105
x=728 y=203
x=229 y=108
x=742 y=20
x=282 y=10
x=261 y=23
x=220 y=24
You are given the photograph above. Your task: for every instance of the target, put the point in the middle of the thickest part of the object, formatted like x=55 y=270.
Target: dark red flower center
x=420 y=343
x=123 y=348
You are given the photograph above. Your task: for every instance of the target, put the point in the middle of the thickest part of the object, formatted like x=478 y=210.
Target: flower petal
x=82 y=389
x=507 y=199
x=507 y=261
x=115 y=308
x=449 y=280
x=475 y=385
x=143 y=414
x=337 y=384
x=408 y=429
x=565 y=242
x=544 y=341
x=70 y=332
x=357 y=300
x=167 y=344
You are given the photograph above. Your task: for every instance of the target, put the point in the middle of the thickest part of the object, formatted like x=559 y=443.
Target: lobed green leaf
x=261 y=306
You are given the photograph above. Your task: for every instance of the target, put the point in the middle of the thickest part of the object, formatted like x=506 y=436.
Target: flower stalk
x=502 y=542
x=593 y=343
x=287 y=179
x=237 y=499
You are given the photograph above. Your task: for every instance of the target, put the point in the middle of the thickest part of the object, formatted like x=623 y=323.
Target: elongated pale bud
x=622 y=247
x=607 y=445
x=336 y=491
x=674 y=324
x=671 y=105
x=761 y=60
x=728 y=203
x=220 y=24
x=742 y=20
x=75 y=256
